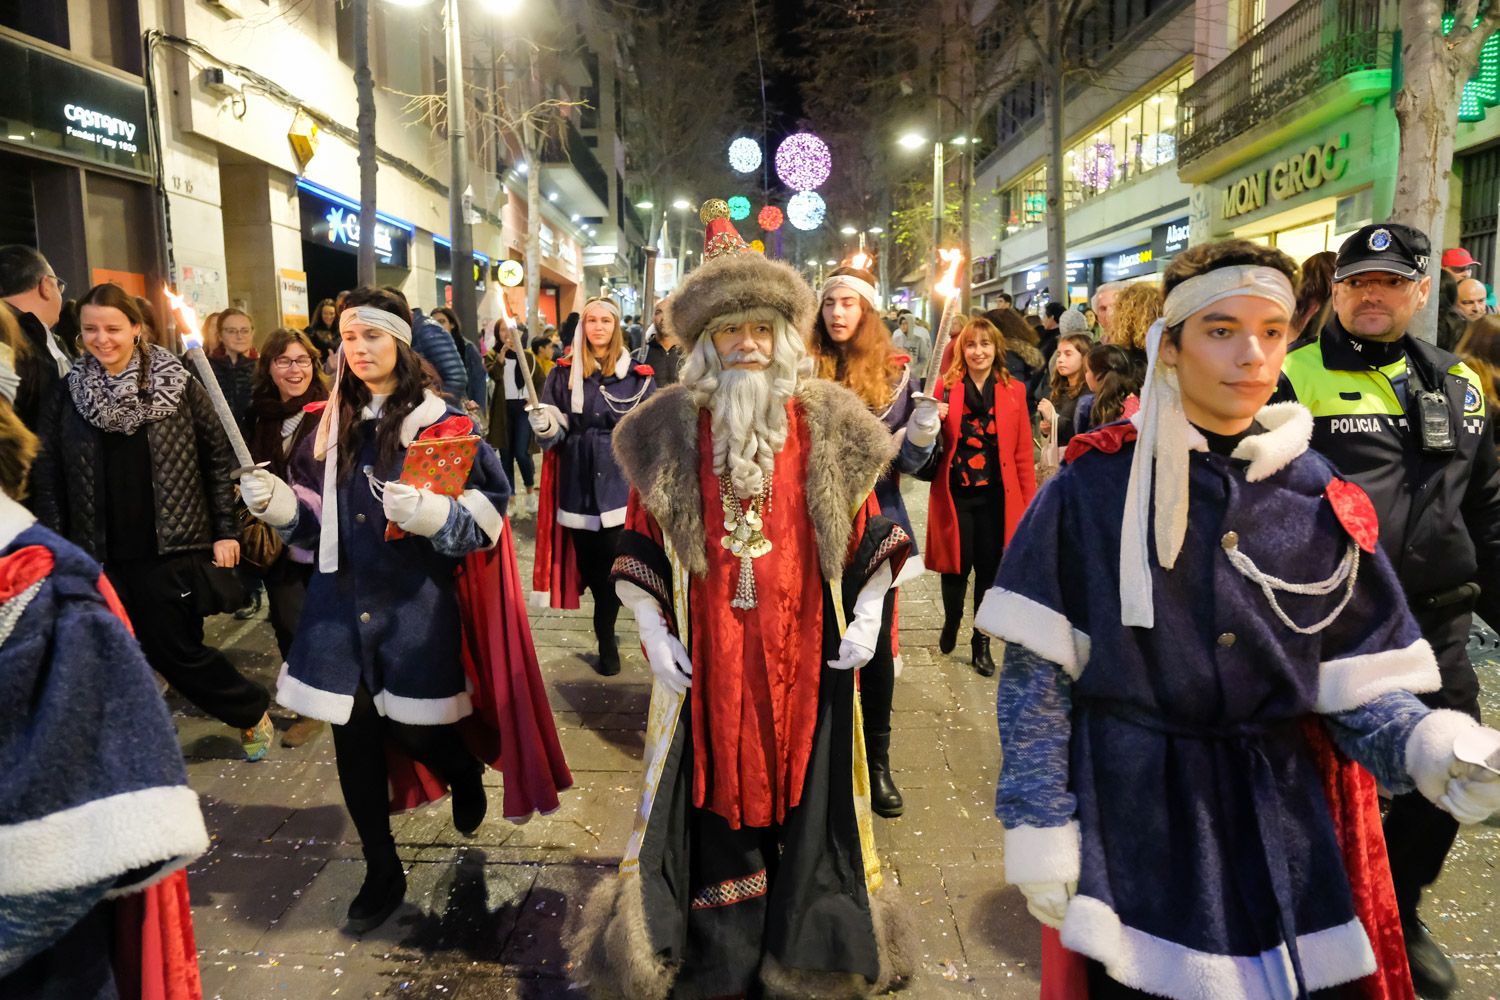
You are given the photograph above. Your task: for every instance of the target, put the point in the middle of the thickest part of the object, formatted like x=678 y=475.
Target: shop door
x=1481 y=198
x=17 y=207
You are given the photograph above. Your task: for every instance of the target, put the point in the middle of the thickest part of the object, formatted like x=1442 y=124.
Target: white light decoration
x=806 y=210
x=803 y=161
x=744 y=155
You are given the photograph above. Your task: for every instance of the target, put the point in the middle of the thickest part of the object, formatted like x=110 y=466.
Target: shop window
x=1138 y=139
x=1481 y=193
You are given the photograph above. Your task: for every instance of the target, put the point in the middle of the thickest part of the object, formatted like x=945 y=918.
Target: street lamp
x=460 y=194
x=682 y=204
x=915 y=140
x=848 y=230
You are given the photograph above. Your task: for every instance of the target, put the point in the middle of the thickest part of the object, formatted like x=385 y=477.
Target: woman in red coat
x=984 y=477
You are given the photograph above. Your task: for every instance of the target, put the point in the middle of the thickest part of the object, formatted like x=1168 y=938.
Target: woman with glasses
x=582 y=506
x=234 y=362
x=287 y=378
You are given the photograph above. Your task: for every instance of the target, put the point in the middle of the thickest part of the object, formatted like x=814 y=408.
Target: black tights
x=595 y=552
x=981 y=542
x=359 y=748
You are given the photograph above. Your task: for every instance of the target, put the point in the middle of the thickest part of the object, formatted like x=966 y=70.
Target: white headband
x=575 y=375
x=379 y=319
x=1201 y=291
x=865 y=290
x=1158 y=486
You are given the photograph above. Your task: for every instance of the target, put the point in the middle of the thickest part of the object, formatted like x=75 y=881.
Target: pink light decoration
x=770 y=218
x=803 y=161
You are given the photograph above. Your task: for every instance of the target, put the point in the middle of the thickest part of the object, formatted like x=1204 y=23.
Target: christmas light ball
x=803 y=161
x=806 y=210
x=769 y=218
x=757 y=246
x=739 y=208
x=713 y=208
x=744 y=155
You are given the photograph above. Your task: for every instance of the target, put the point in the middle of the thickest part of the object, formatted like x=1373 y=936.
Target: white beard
x=749 y=425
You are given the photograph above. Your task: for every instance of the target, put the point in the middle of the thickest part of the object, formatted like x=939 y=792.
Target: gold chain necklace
x=743 y=536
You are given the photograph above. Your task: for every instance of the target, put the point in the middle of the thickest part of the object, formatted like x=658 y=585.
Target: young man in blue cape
x=1190 y=590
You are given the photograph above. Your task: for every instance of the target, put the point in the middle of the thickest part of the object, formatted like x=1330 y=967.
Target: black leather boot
x=885 y=797
x=953 y=589
x=383 y=890
x=1431 y=972
x=982 y=661
x=470 y=802
x=609 y=650
x=948 y=637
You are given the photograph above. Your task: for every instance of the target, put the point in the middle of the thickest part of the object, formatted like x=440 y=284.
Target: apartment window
x=1252 y=17
x=1136 y=140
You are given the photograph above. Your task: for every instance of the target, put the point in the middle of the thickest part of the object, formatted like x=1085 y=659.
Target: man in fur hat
x=751 y=870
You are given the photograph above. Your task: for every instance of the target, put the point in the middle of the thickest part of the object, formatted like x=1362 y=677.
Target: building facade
x=1289 y=137
x=1126 y=209
x=242 y=185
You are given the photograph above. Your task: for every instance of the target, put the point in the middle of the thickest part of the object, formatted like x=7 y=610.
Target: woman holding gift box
x=379 y=648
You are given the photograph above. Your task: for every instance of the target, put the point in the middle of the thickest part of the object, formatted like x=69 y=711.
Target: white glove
x=417 y=512
x=541 y=422
x=1048 y=901
x=1473 y=793
x=852 y=655
x=664 y=651
x=268 y=497
x=858 y=644
x=925 y=422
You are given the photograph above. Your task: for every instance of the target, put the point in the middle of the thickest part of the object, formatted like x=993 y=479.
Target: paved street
x=483 y=917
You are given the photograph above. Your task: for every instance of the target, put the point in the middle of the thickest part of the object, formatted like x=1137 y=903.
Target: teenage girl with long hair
x=851 y=345
x=378 y=651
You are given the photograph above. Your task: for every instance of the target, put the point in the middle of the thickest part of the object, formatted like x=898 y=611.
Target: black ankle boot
x=885 y=797
x=470 y=802
x=1431 y=972
x=609 y=657
x=981 y=660
x=383 y=890
x=948 y=637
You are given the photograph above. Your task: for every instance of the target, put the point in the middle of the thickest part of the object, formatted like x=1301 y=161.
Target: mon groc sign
x=53 y=105
x=1287 y=178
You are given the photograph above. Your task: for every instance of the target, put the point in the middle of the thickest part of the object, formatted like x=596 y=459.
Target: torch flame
x=861 y=260
x=187 y=318
x=948 y=286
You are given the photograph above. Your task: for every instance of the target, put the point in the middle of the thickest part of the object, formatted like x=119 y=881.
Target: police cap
x=1389 y=247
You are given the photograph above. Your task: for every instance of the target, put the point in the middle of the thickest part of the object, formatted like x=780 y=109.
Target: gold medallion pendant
x=743 y=521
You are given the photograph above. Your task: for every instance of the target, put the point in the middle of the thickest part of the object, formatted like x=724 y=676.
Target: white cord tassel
x=1346 y=573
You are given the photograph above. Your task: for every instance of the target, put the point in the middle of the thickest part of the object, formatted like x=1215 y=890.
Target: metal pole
x=460 y=198
x=936 y=263
x=648 y=303
x=885 y=281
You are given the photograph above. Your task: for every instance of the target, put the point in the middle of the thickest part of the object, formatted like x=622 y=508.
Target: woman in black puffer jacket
x=135 y=470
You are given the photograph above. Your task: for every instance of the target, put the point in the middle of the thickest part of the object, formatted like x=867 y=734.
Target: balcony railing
x=572 y=148
x=1312 y=44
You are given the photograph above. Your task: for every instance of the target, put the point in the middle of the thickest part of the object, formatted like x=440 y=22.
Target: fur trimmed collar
x=1288 y=429
x=657 y=448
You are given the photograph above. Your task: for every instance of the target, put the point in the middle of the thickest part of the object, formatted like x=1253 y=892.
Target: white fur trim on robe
x=1348 y=682
x=1013 y=617
x=1042 y=854
x=1165 y=968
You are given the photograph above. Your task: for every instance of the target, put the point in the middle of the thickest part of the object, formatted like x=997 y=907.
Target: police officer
x=1407 y=422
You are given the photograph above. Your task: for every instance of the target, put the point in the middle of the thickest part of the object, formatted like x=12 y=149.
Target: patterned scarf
x=120 y=404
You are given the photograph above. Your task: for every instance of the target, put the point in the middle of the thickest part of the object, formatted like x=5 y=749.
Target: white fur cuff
x=1042 y=854
x=1351 y=681
x=1013 y=617
x=1429 y=750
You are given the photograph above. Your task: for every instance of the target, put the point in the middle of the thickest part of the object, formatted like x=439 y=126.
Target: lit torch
x=511 y=338
x=192 y=342
x=947 y=287
x=861 y=260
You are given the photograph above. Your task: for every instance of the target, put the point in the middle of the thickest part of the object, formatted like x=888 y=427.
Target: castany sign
x=1303 y=171
x=96 y=126
x=54 y=106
